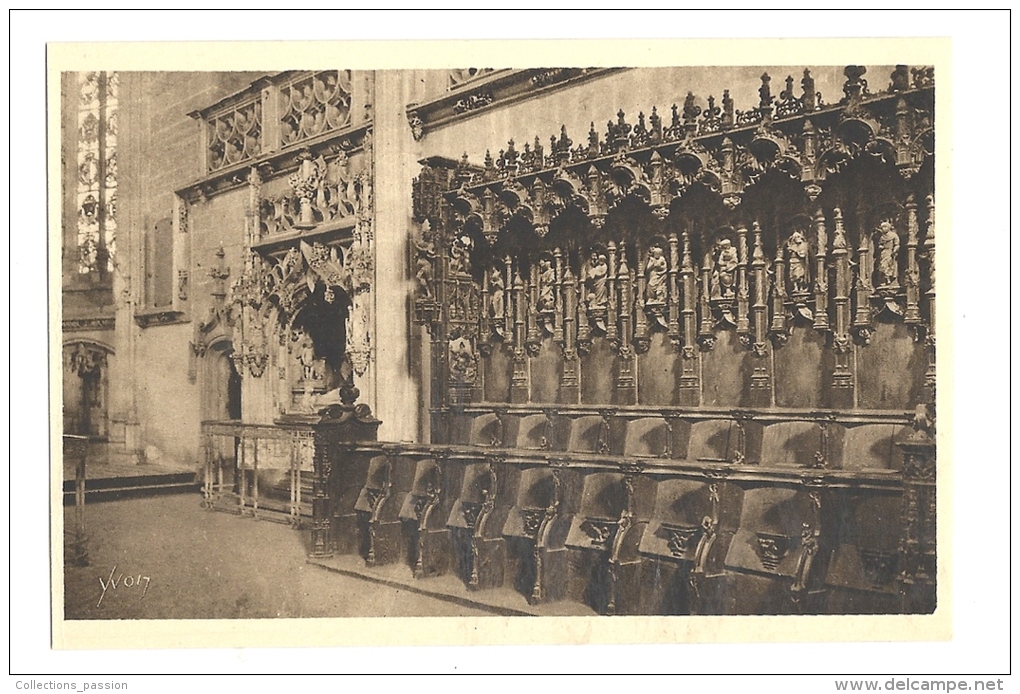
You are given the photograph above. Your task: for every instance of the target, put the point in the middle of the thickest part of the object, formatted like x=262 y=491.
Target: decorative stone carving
x=315 y=104
x=463 y=360
x=724 y=265
x=234 y=135
x=497 y=300
x=424 y=262
x=655 y=277
x=417 y=125
x=460 y=255
x=887 y=264
x=798 y=263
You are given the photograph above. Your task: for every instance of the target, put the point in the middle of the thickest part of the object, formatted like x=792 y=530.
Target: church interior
x=601 y=341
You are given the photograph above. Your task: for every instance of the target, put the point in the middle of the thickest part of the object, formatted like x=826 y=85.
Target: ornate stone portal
x=298 y=318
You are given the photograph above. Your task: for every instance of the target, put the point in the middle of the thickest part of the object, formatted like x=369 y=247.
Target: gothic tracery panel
x=97 y=170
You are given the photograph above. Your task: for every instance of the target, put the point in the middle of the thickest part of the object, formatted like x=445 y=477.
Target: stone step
x=449 y=588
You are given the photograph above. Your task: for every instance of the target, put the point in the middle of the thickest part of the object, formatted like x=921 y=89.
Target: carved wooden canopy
x=795 y=211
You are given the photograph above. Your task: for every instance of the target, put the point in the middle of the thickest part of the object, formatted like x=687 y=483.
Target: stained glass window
x=97 y=171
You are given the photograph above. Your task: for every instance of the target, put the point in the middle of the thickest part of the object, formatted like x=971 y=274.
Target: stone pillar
x=918 y=565
x=395 y=400
x=128 y=282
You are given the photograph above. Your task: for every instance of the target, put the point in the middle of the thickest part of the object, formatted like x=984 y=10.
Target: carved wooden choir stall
x=684 y=367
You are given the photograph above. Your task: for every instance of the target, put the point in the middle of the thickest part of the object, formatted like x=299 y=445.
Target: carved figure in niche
x=798 y=249
x=306 y=356
x=460 y=255
x=426 y=254
x=596 y=273
x=655 y=276
x=546 y=281
x=496 y=299
x=887 y=250
x=725 y=265
x=462 y=360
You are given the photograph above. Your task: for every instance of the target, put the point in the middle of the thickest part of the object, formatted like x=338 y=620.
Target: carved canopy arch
x=85 y=355
x=90 y=343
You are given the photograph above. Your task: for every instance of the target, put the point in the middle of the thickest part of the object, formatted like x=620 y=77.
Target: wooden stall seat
x=771 y=558
x=388 y=481
x=535 y=526
x=535 y=432
x=648 y=437
x=476 y=524
x=638 y=511
x=723 y=441
x=588 y=434
x=604 y=533
x=861 y=576
x=422 y=511
x=792 y=444
x=486 y=430
x=687 y=538
x=872 y=447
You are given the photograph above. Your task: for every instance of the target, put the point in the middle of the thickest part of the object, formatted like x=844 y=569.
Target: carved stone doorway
x=222 y=384
x=221 y=387
x=86 y=389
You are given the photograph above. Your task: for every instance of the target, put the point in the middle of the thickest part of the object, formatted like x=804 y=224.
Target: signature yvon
x=121 y=581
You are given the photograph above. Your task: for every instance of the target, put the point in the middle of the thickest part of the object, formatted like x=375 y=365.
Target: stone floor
x=170 y=559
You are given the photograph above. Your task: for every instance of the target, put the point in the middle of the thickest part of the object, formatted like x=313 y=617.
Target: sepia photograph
x=405 y=343
x=548 y=341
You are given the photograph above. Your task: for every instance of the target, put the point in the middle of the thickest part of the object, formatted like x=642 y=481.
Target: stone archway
x=86 y=388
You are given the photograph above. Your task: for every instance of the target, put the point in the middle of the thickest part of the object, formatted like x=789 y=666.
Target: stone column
x=395 y=396
x=128 y=275
x=918 y=567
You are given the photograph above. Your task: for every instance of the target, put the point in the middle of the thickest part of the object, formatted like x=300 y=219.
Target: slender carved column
x=912 y=277
x=904 y=158
x=761 y=379
x=439 y=332
x=508 y=304
x=918 y=564
x=778 y=328
x=611 y=328
x=862 y=327
x=322 y=466
x=484 y=327
x=641 y=340
x=519 y=380
x=625 y=382
x=583 y=327
x=533 y=340
x=743 y=291
x=673 y=329
x=842 y=377
x=558 y=288
x=706 y=334
x=690 y=382
x=569 y=383
x=821 y=274
x=929 y=247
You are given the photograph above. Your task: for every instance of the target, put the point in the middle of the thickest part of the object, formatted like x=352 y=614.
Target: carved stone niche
x=799 y=254
x=319 y=367
x=721 y=277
